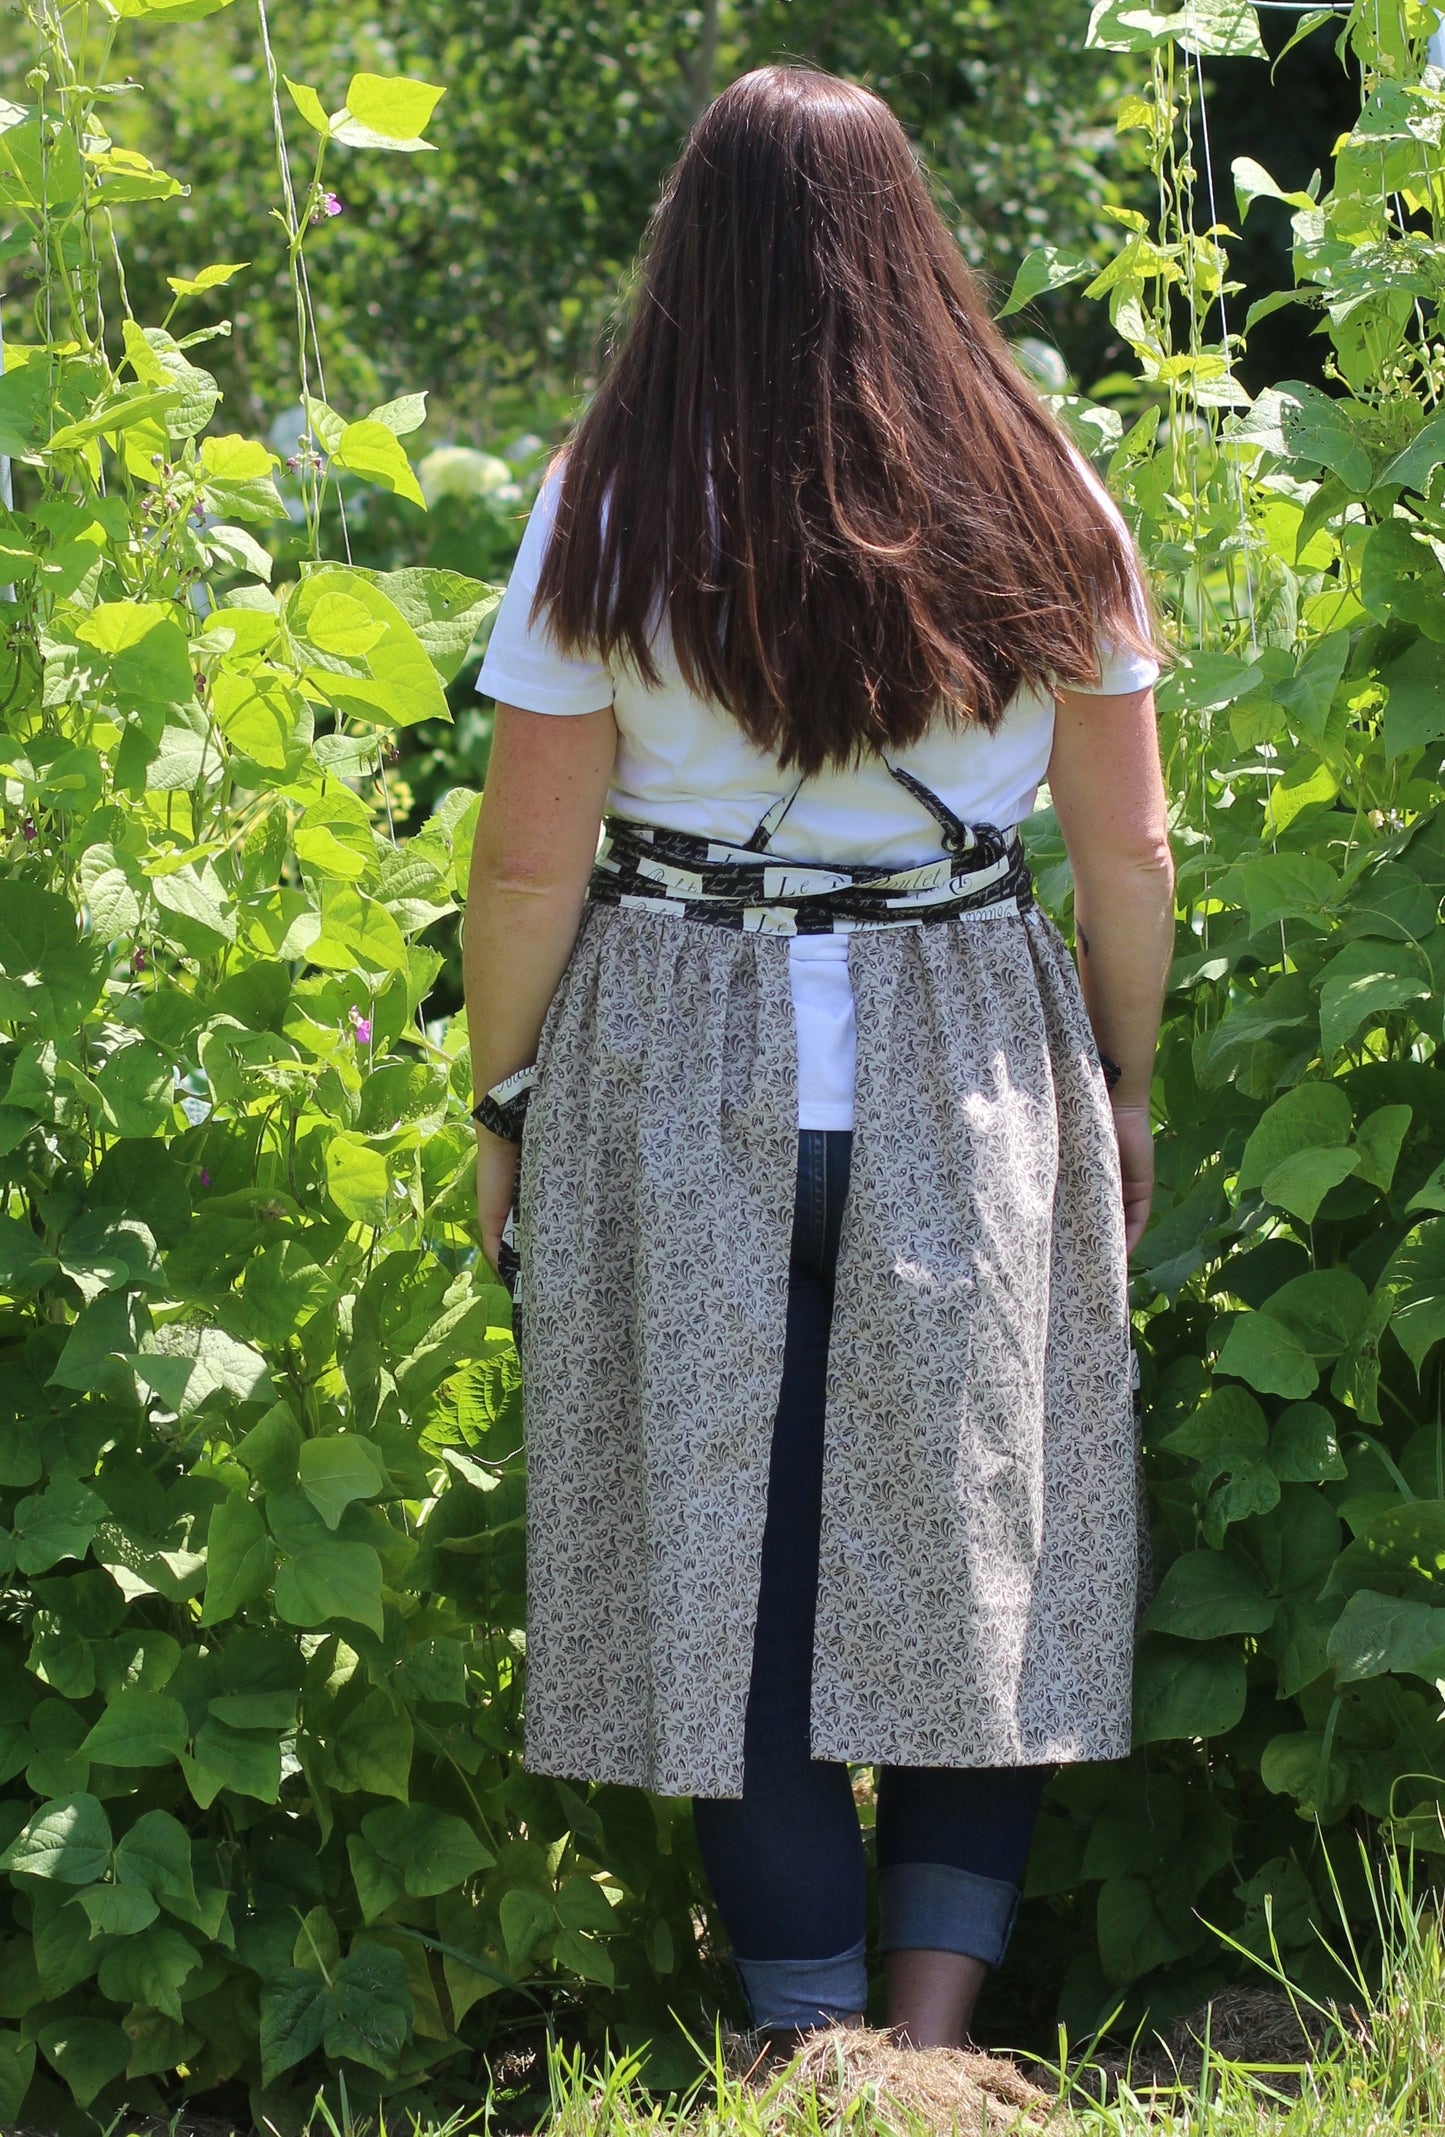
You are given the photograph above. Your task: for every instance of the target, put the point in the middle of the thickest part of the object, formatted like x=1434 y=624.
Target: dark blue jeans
x=785 y=1860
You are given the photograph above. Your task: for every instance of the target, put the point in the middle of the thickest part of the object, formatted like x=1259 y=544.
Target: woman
x=823 y=1203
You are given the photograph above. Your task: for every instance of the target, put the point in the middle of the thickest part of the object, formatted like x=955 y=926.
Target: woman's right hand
x=496 y=1188
x=1135 y=1134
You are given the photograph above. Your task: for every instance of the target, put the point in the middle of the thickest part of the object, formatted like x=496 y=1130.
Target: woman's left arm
x=542 y=807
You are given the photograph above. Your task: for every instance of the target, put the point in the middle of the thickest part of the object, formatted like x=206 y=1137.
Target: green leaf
x=1324 y=1309
x=1293 y=1765
x=1415 y=712
x=262 y=717
x=68 y=1840
x=247 y=1761
x=59 y=1522
x=49 y=974
x=309 y=104
x=337 y=1470
x=271 y=1450
x=155 y=1857
x=1311 y=1115
x=188 y=1366
x=1282 y=886
x=372 y=1748
x=239 y=1559
x=17 y=2066
x=285 y=1287
x=148 y=660
x=208 y=278
x=1303 y=1448
x=1046 y=267
x=168 y=11
x=64 y=1952
x=1252 y=182
x=1303 y=787
x=358 y=934
x=583 y=1956
x=117 y=1910
x=358 y=1181
x=526 y=1916
x=1134 y=1936
x=1300 y=1183
x=1399 y=1551
x=375 y=453
x=1376 y=1634
x=1318 y=430
x=1269 y=1356
x=1412 y=468
x=138 y=1729
x=434 y=1850
x=88 y=2052
x=372 y=2019
x=149 y=1969
x=403 y=415
x=1377 y=1142
x=1205 y=1594
x=445 y=609
x=331 y=1580
x=393 y=681
x=1364 y=982
x=1185 y=1688
x=583 y=1905
x=386 y=111
x=296 y=2008
x=379 y=1884
x=1415 y=1274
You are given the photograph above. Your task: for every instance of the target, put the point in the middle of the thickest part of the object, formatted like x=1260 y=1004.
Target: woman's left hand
x=1135 y=1133
x=496 y=1188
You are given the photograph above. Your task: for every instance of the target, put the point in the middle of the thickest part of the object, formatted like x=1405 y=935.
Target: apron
x=984 y=1544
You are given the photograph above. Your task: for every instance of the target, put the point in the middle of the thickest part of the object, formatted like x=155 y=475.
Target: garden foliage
x=262 y=1815
x=1291 y=1290
x=261 y=1809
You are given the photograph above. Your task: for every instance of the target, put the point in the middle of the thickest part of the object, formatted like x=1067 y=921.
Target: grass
x=1266 y=2062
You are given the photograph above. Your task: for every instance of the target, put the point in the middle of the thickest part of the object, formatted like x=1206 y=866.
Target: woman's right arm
x=1108 y=793
x=536 y=840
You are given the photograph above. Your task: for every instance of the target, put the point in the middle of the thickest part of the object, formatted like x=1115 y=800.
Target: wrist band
x=1112 y=1070
x=503 y=1109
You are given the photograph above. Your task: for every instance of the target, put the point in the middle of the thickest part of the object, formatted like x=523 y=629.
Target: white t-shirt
x=686 y=764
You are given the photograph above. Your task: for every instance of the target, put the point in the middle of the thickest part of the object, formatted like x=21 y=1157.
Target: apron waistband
x=649 y=867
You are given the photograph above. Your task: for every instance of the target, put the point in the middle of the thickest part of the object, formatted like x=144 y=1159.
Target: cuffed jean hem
x=931 y=1906
x=804 y=1992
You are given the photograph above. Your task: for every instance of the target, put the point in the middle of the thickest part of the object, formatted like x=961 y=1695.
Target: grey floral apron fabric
x=984 y=1556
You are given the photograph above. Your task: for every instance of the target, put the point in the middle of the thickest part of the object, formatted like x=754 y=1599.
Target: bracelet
x=503 y=1110
x=1112 y=1070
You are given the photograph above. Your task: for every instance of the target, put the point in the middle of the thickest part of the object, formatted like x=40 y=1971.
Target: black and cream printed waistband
x=653 y=869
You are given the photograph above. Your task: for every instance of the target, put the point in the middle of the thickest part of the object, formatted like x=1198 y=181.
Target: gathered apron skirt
x=984 y=1546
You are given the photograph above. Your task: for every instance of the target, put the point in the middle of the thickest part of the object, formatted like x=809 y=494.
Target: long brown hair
x=815 y=455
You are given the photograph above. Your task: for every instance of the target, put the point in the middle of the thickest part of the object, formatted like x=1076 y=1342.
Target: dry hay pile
x=1250 y=2026
x=949 y=2090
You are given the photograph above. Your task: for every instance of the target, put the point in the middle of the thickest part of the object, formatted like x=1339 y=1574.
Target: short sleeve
x=1121 y=668
x=524 y=665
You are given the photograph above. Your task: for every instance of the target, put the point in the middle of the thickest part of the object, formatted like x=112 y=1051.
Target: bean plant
x=1290 y=1292
x=262 y=1809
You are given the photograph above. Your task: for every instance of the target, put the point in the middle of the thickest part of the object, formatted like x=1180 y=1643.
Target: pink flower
x=138 y=961
x=205 y=1177
x=327 y=206
x=28 y=831
x=361 y=1026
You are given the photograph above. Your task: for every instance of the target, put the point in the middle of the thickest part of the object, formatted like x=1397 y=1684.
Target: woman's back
x=684 y=762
